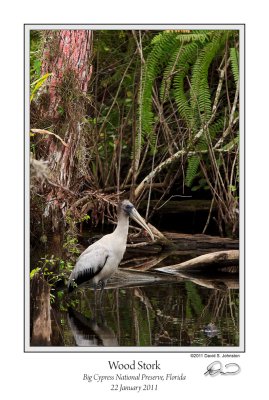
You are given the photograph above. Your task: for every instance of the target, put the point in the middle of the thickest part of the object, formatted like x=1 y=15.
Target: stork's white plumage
x=100 y=260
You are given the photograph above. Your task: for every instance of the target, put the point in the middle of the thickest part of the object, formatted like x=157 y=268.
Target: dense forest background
x=152 y=116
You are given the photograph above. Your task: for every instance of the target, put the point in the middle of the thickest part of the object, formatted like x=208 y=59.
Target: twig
x=171 y=197
x=45 y=132
x=139 y=46
x=209 y=214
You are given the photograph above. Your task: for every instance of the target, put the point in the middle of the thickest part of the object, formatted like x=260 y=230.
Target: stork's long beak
x=134 y=214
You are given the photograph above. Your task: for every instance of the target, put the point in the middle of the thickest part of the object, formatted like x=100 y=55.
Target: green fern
x=169 y=73
x=194 y=161
x=182 y=98
x=216 y=128
x=184 y=60
x=195 y=36
x=200 y=92
x=161 y=51
x=235 y=63
x=192 y=36
x=176 y=63
x=195 y=105
x=193 y=165
x=200 y=102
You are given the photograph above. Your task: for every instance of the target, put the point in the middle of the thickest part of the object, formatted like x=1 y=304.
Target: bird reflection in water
x=89 y=332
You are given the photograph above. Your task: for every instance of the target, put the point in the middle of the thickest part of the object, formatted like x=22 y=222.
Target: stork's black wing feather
x=89 y=264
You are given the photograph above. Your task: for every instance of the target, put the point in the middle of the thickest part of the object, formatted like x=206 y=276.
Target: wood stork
x=100 y=260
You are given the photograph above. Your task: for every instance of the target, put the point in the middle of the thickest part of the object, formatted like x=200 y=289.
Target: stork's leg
x=95 y=299
x=102 y=285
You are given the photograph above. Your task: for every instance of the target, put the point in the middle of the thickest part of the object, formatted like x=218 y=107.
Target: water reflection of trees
x=181 y=314
x=181 y=319
x=41 y=329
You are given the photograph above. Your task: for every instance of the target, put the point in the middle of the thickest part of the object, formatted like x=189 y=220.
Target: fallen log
x=223 y=281
x=144 y=264
x=216 y=261
x=183 y=241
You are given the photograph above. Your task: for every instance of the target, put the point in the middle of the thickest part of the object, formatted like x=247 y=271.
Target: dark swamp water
x=152 y=310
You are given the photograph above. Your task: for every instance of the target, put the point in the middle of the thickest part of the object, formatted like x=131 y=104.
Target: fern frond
x=235 y=63
x=200 y=92
x=217 y=127
x=193 y=165
x=168 y=74
x=182 y=98
x=161 y=51
x=176 y=63
x=194 y=161
x=185 y=36
x=195 y=36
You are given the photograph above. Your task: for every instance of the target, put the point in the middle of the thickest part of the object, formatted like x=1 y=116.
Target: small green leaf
x=34 y=272
x=38 y=83
x=195 y=188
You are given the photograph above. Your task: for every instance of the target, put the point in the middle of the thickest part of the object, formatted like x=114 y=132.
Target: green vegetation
x=53 y=269
x=156 y=115
x=192 y=81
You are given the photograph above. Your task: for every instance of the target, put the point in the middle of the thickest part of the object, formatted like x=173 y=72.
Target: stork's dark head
x=126 y=206
x=128 y=209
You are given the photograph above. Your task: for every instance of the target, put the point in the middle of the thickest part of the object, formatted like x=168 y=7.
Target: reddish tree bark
x=66 y=51
x=60 y=109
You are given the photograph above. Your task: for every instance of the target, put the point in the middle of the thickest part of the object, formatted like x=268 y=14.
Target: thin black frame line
x=243 y=25
x=134 y=24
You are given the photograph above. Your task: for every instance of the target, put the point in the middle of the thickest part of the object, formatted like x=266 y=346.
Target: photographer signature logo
x=216 y=368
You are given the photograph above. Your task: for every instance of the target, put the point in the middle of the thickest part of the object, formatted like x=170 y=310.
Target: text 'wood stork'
x=100 y=260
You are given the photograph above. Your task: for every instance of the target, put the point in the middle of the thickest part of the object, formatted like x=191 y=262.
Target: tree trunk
x=66 y=54
x=59 y=110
